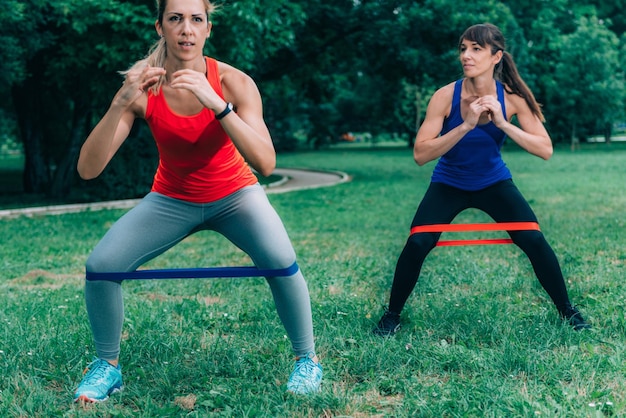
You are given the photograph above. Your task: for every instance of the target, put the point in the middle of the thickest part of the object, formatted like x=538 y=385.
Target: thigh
x=440 y=205
x=156 y=224
x=249 y=221
x=504 y=203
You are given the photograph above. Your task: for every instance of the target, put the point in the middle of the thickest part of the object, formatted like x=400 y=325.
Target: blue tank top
x=475 y=161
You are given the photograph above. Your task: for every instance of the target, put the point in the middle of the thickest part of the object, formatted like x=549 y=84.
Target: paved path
x=292 y=179
x=300 y=179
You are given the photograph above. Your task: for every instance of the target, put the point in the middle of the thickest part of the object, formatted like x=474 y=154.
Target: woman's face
x=185 y=28
x=477 y=59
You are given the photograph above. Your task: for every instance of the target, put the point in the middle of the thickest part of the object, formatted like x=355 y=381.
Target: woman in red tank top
x=207 y=121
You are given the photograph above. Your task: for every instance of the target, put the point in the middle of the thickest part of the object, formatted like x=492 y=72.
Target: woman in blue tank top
x=465 y=126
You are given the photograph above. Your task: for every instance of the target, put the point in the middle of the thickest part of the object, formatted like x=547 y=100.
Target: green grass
x=480 y=337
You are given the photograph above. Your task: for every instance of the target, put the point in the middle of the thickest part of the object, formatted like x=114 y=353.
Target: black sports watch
x=229 y=108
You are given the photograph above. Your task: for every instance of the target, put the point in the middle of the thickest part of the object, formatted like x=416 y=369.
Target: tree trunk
x=65 y=173
x=28 y=107
x=575 y=142
x=608 y=130
x=418 y=117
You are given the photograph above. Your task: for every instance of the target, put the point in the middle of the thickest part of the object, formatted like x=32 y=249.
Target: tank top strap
x=500 y=91
x=213 y=75
x=456 y=98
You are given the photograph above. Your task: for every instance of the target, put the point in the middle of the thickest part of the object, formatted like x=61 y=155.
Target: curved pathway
x=291 y=179
x=301 y=179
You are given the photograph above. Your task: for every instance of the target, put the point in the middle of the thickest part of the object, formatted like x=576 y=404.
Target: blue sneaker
x=101 y=380
x=306 y=376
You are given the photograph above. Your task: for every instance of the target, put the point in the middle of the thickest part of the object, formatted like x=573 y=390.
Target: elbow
x=266 y=169
x=419 y=158
x=85 y=173
x=86 y=176
x=265 y=172
x=87 y=168
x=420 y=162
x=547 y=156
x=548 y=152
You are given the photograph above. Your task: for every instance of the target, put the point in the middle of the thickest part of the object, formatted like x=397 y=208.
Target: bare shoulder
x=236 y=84
x=514 y=103
x=445 y=91
x=441 y=100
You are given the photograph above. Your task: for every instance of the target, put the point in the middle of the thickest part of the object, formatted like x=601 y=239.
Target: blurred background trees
x=323 y=68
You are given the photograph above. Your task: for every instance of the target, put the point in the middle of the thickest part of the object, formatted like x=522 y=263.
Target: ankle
x=311 y=356
x=113 y=363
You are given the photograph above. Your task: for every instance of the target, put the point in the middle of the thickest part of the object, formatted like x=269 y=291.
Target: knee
x=421 y=243
x=527 y=240
x=274 y=258
x=95 y=264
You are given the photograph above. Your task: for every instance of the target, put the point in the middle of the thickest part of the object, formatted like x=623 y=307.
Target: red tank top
x=198 y=162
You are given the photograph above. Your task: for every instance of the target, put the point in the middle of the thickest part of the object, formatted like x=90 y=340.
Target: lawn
x=480 y=336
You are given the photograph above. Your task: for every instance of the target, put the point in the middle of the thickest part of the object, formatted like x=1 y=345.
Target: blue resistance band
x=194 y=273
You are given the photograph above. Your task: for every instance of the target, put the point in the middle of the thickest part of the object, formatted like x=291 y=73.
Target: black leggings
x=504 y=203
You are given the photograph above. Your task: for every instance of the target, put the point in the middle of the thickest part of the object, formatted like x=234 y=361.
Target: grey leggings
x=158 y=223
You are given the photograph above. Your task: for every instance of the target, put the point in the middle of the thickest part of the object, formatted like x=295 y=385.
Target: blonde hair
x=158 y=52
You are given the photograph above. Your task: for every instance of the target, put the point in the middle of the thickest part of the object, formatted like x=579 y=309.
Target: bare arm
x=114 y=127
x=531 y=135
x=246 y=128
x=428 y=144
x=104 y=141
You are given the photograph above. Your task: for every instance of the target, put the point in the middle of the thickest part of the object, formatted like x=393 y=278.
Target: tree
x=323 y=68
x=69 y=67
x=588 y=80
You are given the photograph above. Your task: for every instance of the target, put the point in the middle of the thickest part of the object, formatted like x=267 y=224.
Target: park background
x=481 y=338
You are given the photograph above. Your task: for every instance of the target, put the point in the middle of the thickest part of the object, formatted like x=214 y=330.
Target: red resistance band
x=502 y=226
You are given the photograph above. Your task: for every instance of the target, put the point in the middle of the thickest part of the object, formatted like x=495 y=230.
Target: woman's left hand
x=494 y=109
x=197 y=83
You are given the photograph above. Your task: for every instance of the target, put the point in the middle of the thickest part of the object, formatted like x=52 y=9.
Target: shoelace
x=305 y=367
x=95 y=373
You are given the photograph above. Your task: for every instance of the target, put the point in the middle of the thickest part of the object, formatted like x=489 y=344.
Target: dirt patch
x=44 y=279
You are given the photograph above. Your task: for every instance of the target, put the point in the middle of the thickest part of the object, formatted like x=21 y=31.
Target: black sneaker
x=388 y=325
x=575 y=319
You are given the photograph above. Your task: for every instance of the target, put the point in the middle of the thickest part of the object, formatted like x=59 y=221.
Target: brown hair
x=505 y=71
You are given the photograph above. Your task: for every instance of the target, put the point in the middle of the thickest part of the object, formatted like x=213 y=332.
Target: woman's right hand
x=137 y=82
x=473 y=113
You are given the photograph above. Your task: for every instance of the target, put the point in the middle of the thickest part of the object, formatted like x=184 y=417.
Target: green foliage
x=241 y=27
x=324 y=68
x=574 y=67
x=65 y=79
x=480 y=336
x=590 y=69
